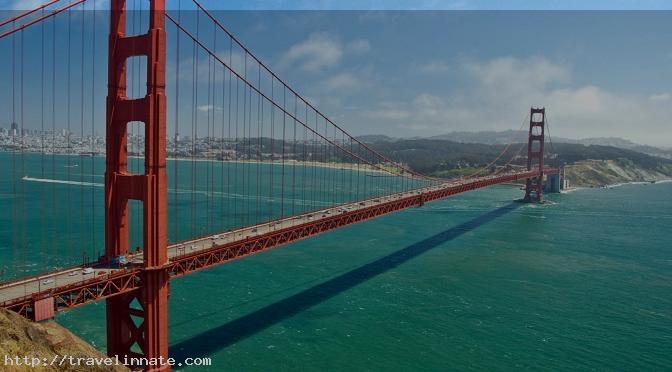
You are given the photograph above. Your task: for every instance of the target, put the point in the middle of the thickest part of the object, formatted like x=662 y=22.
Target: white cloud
x=660 y=97
x=25 y=4
x=318 y=52
x=208 y=68
x=206 y=108
x=434 y=68
x=359 y=46
x=321 y=51
x=500 y=92
x=340 y=81
x=389 y=113
x=517 y=76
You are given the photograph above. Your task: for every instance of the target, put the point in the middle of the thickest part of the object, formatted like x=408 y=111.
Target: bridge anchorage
x=136 y=292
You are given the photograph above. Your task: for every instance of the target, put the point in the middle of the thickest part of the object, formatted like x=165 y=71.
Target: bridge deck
x=71 y=287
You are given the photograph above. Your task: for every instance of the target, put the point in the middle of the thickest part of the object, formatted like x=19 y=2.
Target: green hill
x=445 y=158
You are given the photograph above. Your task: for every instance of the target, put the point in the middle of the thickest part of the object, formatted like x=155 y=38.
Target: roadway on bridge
x=48 y=282
x=76 y=274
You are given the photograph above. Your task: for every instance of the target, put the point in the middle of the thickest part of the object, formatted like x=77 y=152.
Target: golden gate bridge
x=259 y=167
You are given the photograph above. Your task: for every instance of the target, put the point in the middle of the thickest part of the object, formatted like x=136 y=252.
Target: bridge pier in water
x=534 y=187
x=137 y=321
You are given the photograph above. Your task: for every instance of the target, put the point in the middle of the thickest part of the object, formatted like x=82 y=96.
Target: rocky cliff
x=591 y=173
x=46 y=341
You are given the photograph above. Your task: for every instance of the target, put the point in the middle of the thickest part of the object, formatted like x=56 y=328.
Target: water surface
x=472 y=282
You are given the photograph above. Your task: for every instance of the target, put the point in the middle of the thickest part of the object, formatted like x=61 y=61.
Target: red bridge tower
x=534 y=189
x=137 y=322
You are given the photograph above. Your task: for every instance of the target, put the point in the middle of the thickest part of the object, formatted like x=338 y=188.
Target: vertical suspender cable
x=211 y=117
x=259 y=145
x=194 y=102
x=176 y=178
x=228 y=167
x=222 y=155
x=22 y=190
x=43 y=239
x=245 y=204
x=305 y=163
x=231 y=190
x=207 y=154
x=325 y=159
x=236 y=160
x=359 y=175
x=333 y=171
x=248 y=173
x=249 y=152
x=15 y=233
x=54 y=243
x=316 y=147
x=68 y=144
x=81 y=123
x=92 y=140
x=295 y=158
x=272 y=166
x=282 y=178
x=211 y=162
x=343 y=170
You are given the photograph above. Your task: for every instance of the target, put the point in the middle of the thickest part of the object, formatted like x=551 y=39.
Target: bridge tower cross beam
x=534 y=187
x=137 y=322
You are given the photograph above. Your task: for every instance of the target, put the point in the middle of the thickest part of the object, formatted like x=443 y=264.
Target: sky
x=430 y=72
x=401 y=4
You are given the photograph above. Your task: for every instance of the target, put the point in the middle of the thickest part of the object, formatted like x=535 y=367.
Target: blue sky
x=426 y=73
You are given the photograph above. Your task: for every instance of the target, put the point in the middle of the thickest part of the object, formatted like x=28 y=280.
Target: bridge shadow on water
x=227 y=334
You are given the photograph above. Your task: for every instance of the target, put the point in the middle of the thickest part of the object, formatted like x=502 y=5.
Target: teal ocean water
x=474 y=282
x=53 y=204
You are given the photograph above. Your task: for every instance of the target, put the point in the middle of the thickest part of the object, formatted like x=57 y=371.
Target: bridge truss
x=275 y=168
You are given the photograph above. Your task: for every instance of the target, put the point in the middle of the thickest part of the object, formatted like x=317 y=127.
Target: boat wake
x=64 y=182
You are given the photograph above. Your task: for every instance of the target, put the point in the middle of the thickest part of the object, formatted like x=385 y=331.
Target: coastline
x=291 y=162
x=637 y=183
x=618 y=184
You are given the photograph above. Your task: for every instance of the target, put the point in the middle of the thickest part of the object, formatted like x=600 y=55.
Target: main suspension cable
x=287 y=86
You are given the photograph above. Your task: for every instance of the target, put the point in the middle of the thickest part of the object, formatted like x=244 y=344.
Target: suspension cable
x=287 y=86
x=27 y=13
x=506 y=148
x=548 y=129
x=272 y=101
x=36 y=20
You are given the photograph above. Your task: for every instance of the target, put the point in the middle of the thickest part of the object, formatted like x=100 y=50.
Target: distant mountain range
x=509 y=136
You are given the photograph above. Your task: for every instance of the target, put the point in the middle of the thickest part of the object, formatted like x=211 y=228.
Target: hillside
x=22 y=338
x=609 y=172
x=483 y=137
x=507 y=136
x=444 y=158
